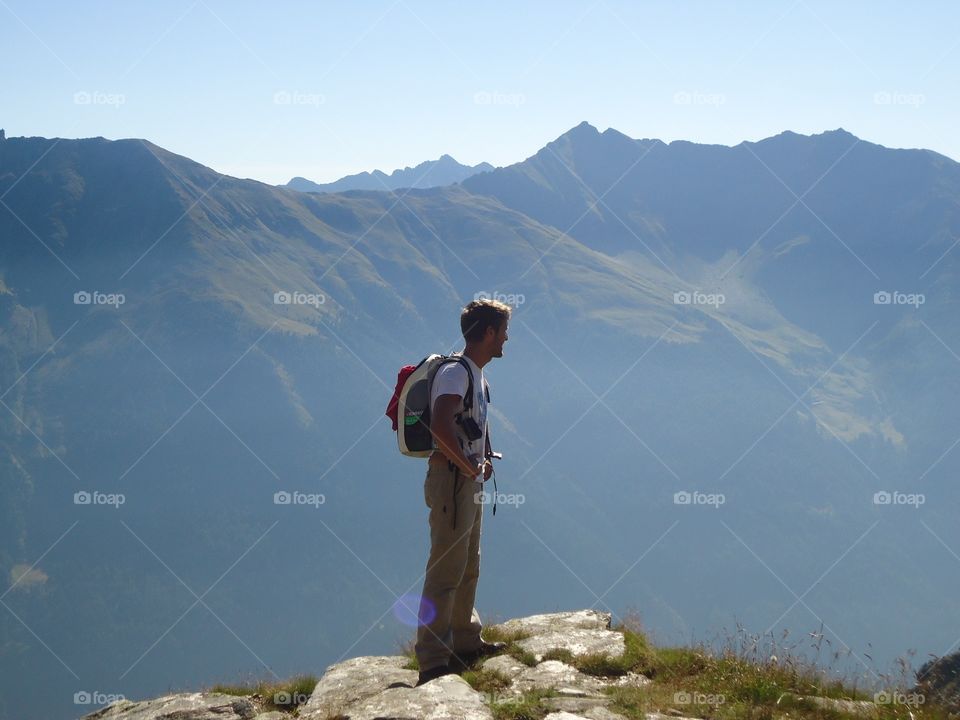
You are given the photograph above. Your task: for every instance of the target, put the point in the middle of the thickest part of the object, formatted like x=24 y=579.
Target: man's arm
x=444 y=432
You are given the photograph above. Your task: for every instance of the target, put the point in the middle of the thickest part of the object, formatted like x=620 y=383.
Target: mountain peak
x=583 y=130
x=839 y=133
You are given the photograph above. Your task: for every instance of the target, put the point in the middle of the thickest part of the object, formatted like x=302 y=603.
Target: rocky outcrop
x=185 y=706
x=938 y=681
x=353 y=681
x=583 y=632
x=365 y=688
x=383 y=688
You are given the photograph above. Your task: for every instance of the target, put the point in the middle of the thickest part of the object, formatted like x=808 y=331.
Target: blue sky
x=322 y=89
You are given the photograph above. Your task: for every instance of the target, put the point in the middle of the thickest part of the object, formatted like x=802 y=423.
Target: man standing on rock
x=448 y=635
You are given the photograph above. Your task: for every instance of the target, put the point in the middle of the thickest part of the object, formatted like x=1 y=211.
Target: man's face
x=499 y=339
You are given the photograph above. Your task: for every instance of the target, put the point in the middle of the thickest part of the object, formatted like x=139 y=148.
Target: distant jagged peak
x=791 y=137
x=445 y=170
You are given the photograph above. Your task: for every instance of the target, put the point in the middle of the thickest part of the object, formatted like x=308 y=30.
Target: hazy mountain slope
x=611 y=398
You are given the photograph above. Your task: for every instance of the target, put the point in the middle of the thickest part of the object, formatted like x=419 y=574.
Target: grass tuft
x=284 y=695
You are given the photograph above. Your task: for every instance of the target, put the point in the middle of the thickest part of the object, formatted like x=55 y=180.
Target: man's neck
x=479 y=358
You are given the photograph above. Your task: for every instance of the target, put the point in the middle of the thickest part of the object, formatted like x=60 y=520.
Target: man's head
x=484 y=326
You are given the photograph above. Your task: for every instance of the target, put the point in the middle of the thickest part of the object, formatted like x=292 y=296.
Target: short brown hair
x=478 y=315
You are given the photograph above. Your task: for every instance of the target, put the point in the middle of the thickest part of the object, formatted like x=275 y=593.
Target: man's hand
x=444 y=432
x=487 y=470
x=478 y=466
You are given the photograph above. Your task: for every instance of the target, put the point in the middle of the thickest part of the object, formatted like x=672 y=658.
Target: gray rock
x=579 y=642
x=853 y=707
x=601 y=713
x=565 y=679
x=354 y=680
x=582 y=632
x=671 y=716
x=549 y=622
x=505 y=665
x=446 y=698
x=631 y=679
x=579 y=706
x=184 y=706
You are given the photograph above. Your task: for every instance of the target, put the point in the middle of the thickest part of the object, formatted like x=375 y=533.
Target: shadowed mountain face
x=177 y=346
x=432 y=173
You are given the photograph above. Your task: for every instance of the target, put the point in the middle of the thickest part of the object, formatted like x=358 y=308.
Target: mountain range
x=725 y=401
x=431 y=173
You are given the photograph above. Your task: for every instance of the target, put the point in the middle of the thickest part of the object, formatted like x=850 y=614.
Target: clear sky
x=269 y=90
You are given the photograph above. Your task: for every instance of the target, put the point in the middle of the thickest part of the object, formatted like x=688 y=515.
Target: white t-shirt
x=451 y=379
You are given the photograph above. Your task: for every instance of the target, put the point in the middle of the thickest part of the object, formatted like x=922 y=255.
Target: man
x=448 y=635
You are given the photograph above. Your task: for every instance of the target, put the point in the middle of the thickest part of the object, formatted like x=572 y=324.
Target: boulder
x=184 y=706
x=549 y=674
x=354 y=680
x=582 y=632
x=595 y=713
x=575 y=705
x=446 y=698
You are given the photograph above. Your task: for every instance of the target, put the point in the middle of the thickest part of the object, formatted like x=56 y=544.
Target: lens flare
x=413 y=610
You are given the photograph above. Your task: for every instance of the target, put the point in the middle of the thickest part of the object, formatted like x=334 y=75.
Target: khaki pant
x=453 y=568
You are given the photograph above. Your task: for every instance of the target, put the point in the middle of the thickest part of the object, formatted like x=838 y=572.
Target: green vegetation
x=638 y=657
x=744 y=679
x=486 y=681
x=511 y=638
x=284 y=695
x=406 y=648
x=528 y=706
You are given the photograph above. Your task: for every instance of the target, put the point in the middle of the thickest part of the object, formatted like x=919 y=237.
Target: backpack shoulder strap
x=468 y=400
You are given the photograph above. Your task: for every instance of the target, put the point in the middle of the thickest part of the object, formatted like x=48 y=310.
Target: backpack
x=409 y=408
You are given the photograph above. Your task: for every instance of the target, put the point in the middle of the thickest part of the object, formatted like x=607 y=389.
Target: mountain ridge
x=430 y=173
x=796 y=398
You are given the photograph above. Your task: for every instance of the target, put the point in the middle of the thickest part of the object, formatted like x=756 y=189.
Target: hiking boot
x=433 y=673
x=486 y=649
